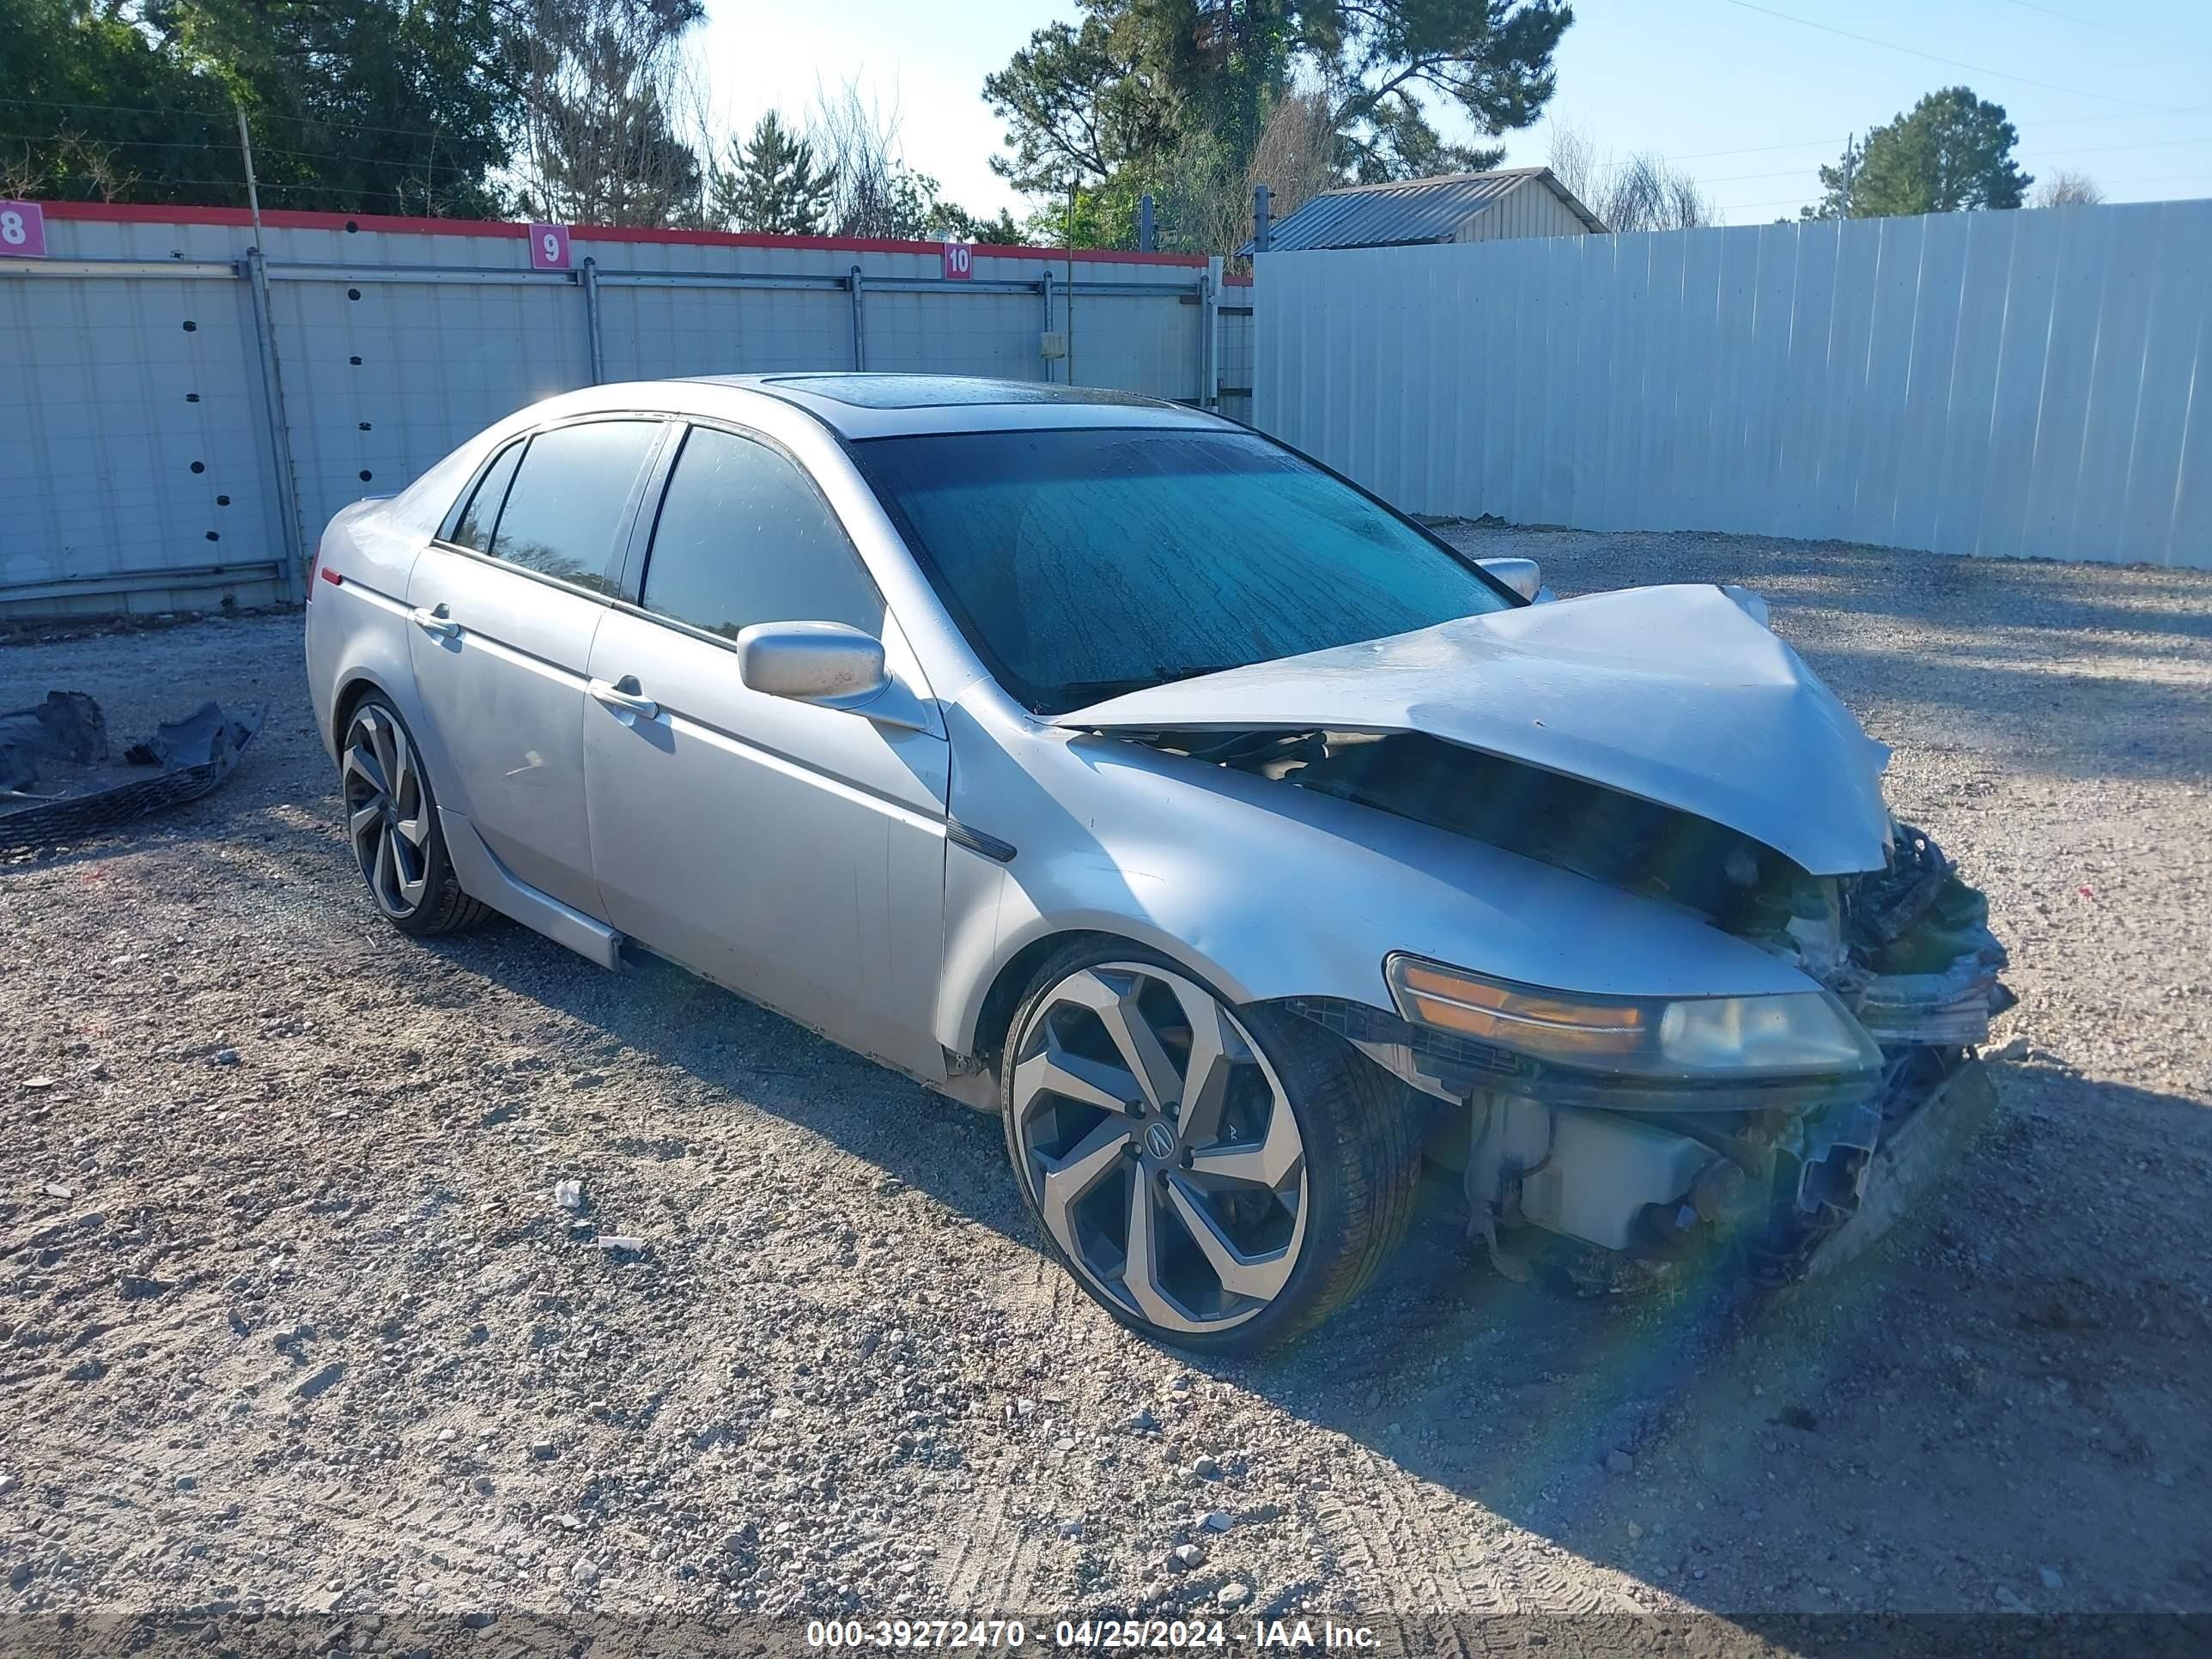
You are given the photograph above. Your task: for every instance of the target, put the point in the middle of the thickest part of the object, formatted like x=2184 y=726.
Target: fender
x=1270 y=891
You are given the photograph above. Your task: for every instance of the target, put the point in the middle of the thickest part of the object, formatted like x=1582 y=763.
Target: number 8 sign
x=548 y=247
x=22 y=230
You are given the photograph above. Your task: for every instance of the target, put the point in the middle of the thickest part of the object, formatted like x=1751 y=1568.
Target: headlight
x=1788 y=1034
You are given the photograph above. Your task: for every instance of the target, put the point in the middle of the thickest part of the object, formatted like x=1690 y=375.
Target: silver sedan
x=1113 y=768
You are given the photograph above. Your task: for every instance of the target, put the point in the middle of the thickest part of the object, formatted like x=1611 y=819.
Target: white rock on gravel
x=1234 y=1594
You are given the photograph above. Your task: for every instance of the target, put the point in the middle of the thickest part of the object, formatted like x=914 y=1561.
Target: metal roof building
x=1460 y=207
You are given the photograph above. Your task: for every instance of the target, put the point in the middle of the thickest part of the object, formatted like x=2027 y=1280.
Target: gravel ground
x=292 y=1318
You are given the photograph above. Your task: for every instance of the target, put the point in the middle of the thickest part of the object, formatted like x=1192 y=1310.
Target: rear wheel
x=392 y=824
x=1220 y=1179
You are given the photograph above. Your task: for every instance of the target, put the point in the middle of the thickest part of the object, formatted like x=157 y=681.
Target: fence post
x=859 y=322
x=1262 y=218
x=1209 y=336
x=591 y=279
x=1047 y=286
x=256 y=273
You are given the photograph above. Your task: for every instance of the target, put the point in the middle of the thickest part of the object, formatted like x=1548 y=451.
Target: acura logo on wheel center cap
x=1160 y=1141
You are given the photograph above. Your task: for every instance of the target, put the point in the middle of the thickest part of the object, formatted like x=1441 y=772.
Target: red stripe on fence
x=143 y=213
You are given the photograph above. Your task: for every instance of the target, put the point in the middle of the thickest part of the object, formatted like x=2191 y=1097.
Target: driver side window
x=743 y=537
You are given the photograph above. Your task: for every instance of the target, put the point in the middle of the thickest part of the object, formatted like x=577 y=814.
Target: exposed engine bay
x=1615 y=1170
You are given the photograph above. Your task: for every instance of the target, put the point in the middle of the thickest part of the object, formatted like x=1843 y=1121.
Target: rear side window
x=745 y=537
x=474 y=528
x=570 y=498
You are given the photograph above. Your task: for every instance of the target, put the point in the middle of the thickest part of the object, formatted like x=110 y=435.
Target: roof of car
x=858 y=405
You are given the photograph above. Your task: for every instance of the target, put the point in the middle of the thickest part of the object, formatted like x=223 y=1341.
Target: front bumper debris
x=191 y=757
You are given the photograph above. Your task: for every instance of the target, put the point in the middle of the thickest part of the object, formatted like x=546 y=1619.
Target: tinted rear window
x=1082 y=564
x=570 y=498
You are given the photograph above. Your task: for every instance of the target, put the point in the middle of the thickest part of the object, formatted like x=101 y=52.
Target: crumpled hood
x=1672 y=694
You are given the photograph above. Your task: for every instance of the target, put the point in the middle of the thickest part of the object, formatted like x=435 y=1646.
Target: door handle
x=613 y=695
x=435 y=621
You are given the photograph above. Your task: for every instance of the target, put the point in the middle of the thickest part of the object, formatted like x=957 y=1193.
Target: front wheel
x=1220 y=1179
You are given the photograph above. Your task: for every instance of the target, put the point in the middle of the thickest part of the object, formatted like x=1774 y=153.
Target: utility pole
x=1070 y=281
x=1852 y=154
x=253 y=193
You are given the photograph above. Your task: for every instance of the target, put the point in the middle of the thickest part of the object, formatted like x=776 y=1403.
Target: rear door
x=793 y=852
x=505 y=608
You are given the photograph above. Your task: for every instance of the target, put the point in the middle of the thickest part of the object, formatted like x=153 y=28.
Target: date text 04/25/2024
x=1098 y=1635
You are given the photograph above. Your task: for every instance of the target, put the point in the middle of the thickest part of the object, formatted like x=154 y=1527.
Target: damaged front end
x=1796 y=1166
x=1665 y=743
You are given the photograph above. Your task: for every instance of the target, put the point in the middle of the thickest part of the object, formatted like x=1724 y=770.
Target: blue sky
x=1737 y=93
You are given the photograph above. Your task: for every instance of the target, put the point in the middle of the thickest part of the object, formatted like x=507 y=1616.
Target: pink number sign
x=959 y=262
x=548 y=247
x=22 y=230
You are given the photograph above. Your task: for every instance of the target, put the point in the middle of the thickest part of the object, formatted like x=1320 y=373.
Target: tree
x=875 y=192
x=1493 y=61
x=382 y=106
x=2067 y=188
x=110 y=112
x=603 y=86
x=1952 y=152
x=1144 y=91
x=961 y=226
x=1642 y=192
x=1075 y=104
x=773 y=184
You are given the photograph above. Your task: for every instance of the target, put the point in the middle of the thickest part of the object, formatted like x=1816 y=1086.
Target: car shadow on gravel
x=2006 y=1362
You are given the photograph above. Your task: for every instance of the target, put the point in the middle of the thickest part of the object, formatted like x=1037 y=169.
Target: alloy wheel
x=1160 y=1146
x=387 y=814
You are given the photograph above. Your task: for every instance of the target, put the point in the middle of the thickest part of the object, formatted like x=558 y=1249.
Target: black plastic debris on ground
x=194 y=754
x=67 y=726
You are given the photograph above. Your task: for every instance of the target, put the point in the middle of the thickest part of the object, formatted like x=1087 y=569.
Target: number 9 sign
x=548 y=247
x=22 y=230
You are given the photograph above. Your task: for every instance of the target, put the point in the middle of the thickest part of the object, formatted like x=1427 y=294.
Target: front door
x=504 y=617
x=791 y=852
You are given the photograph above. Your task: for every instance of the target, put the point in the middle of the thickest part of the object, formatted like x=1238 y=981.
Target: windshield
x=1084 y=563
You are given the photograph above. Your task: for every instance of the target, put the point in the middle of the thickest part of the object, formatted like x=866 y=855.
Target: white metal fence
x=141 y=467
x=2013 y=383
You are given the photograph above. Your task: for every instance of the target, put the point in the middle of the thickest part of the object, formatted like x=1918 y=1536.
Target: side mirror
x=1524 y=576
x=822 y=662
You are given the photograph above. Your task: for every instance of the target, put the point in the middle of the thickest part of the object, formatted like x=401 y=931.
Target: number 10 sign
x=548 y=247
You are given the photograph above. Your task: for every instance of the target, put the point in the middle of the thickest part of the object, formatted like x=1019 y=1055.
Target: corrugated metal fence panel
x=396 y=345
x=1232 y=361
x=134 y=437
x=2028 y=384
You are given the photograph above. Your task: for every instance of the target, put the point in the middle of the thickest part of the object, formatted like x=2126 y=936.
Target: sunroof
x=943 y=391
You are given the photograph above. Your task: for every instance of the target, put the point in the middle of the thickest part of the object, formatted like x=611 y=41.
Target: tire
x=1299 y=1225
x=390 y=821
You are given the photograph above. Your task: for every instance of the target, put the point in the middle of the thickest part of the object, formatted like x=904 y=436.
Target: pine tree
x=773 y=184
